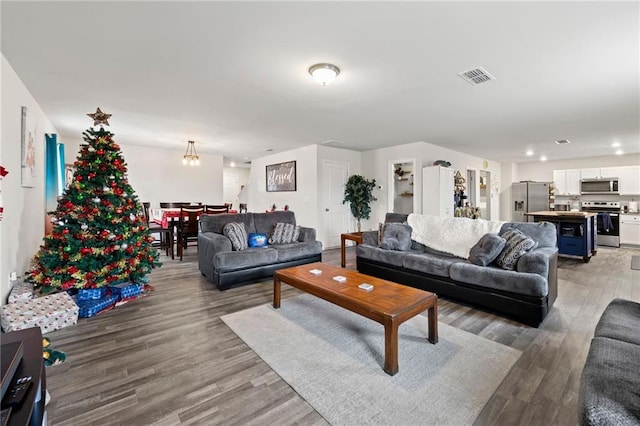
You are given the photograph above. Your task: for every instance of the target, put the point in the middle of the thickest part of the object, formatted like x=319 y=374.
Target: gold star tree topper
x=100 y=117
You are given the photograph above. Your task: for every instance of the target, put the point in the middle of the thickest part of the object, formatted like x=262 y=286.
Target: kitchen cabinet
x=567 y=182
x=438 y=191
x=590 y=173
x=629 y=183
x=630 y=229
x=600 y=173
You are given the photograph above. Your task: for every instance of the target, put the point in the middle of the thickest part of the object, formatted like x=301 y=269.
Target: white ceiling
x=233 y=76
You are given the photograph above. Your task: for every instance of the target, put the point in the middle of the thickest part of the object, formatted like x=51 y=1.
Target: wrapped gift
x=20 y=292
x=125 y=290
x=50 y=313
x=91 y=293
x=91 y=308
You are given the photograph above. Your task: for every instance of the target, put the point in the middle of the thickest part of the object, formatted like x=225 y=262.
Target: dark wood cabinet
x=31 y=410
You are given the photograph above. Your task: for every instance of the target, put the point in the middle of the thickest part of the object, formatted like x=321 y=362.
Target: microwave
x=599 y=186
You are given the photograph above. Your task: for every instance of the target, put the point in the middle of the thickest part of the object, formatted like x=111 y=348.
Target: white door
x=230 y=190
x=337 y=216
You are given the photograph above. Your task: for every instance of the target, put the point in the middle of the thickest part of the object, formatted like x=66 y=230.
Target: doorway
x=484 y=194
x=472 y=187
x=401 y=186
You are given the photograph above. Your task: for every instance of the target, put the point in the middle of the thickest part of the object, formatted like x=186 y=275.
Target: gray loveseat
x=610 y=383
x=226 y=268
x=525 y=294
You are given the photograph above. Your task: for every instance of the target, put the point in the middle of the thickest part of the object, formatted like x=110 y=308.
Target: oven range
x=608 y=221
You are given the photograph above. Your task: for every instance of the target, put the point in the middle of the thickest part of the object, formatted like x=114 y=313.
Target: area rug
x=635 y=262
x=333 y=359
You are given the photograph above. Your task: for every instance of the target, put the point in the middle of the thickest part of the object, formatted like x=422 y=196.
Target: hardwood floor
x=168 y=359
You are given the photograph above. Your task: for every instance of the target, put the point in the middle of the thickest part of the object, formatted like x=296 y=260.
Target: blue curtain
x=53 y=171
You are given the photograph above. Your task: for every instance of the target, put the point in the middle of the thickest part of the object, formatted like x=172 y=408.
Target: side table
x=352 y=236
x=31 y=410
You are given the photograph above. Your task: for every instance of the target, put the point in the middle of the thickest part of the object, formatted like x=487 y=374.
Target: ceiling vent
x=476 y=76
x=332 y=142
x=563 y=142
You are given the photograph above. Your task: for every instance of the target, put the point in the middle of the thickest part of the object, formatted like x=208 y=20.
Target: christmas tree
x=100 y=236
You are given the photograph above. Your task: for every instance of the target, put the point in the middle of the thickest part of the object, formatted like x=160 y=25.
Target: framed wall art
x=28 y=160
x=281 y=177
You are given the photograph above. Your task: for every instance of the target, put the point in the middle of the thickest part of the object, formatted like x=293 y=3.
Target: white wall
x=375 y=165
x=22 y=225
x=303 y=201
x=543 y=170
x=158 y=175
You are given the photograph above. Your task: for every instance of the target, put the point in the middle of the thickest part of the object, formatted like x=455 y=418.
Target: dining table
x=166 y=215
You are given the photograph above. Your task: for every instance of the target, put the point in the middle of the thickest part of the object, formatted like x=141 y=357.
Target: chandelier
x=191 y=156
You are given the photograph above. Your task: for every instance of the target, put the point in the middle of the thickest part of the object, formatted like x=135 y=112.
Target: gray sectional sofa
x=610 y=382
x=525 y=294
x=226 y=267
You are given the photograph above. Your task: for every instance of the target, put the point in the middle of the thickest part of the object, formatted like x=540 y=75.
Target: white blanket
x=454 y=235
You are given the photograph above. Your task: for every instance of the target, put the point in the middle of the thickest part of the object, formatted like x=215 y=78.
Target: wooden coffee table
x=389 y=303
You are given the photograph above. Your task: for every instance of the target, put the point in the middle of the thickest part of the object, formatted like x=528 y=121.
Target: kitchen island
x=577 y=234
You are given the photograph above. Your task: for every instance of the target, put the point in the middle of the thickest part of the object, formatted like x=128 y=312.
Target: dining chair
x=216 y=208
x=165 y=241
x=188 y=227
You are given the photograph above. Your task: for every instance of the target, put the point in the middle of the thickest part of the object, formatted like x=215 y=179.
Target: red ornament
x=100 y=152
x=113 y=184
x=85 y=250
x=65 y=231
x=119 y=210
x=79 y=178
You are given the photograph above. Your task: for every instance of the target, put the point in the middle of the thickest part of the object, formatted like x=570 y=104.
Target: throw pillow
x=257 y=240
x=487 y=249
x=237 y=234
x=516 y=245
x=396 y=236
x=380 y=232
x=284 y=233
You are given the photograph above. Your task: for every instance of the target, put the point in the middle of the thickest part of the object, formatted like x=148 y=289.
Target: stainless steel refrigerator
x=529 y=197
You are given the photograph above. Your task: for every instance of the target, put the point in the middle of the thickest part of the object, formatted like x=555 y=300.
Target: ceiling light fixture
x=324 y=73
x=543 y=158
x=615 y=144
x=529 y=152
x=619 y=152
x=191 y=156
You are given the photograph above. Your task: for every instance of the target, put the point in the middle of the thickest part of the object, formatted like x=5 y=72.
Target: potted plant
x=358 y=192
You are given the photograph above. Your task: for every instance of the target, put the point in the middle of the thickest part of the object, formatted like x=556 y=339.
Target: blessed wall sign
x=281 y=177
